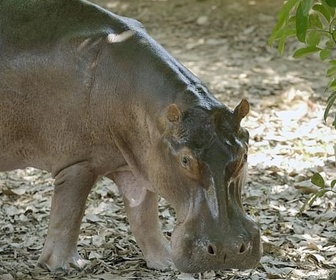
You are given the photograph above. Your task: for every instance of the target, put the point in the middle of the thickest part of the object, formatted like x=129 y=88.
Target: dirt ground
x=225 y=44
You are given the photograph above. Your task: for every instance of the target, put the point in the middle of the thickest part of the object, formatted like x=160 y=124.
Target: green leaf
x=302 y=16
x=324 y=54
x=313 y=38
x=281 y=46
x=332 y=86
x=283 y=33
x=292 y=21
x=282 y=36
x=306 y=50
x=331 y=96
x=331 y=71
x=331 y=9
x=333 y=183
x=318 y=180
x=315 y=23
x=330 y=102
x=330 y=43
x=284 y=14
x=324 y=11
x=331 y=3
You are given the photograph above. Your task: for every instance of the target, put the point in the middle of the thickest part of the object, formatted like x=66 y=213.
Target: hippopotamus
x=84 y=94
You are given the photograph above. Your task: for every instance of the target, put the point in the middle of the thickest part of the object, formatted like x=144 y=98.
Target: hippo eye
x=245 y=157
x=185 y=161
x=189 y=164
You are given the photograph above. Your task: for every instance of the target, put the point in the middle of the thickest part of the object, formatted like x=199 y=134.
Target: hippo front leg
x=146 y=228
x=142 y=212
x=72 y=186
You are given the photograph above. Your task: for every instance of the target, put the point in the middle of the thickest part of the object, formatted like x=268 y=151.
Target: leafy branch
x=318 y=181
x=313 y=23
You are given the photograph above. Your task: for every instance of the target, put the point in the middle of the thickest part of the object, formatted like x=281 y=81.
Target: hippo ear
x=118 y=38
x=173 y=113
x=241 y=110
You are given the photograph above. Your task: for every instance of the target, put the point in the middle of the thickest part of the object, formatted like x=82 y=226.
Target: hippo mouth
x=192 y=253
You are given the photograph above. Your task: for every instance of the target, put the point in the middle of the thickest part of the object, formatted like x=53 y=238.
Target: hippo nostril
x=242 y=248
x=211 y=250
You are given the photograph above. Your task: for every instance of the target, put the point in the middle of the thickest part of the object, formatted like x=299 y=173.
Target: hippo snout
x=236 y=252
x=237 y=249
x=195 y=252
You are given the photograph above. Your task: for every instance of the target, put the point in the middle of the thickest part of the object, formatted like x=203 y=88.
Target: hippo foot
x=160 y=264
x=61 y=264
x=160 y=258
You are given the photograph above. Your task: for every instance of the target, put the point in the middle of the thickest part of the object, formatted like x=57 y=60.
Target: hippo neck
x=152 y=77
x=171 y=82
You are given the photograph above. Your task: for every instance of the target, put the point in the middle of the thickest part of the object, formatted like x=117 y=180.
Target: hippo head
x=200 y=168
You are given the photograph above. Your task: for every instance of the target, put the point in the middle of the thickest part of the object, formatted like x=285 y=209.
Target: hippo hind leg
x=142 y=212
x=72 y=186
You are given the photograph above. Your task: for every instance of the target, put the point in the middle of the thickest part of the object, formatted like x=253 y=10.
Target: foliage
x=318 y=181
x=313 y=23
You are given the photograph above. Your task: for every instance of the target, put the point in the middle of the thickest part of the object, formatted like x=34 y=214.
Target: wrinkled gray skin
x=84 y=94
